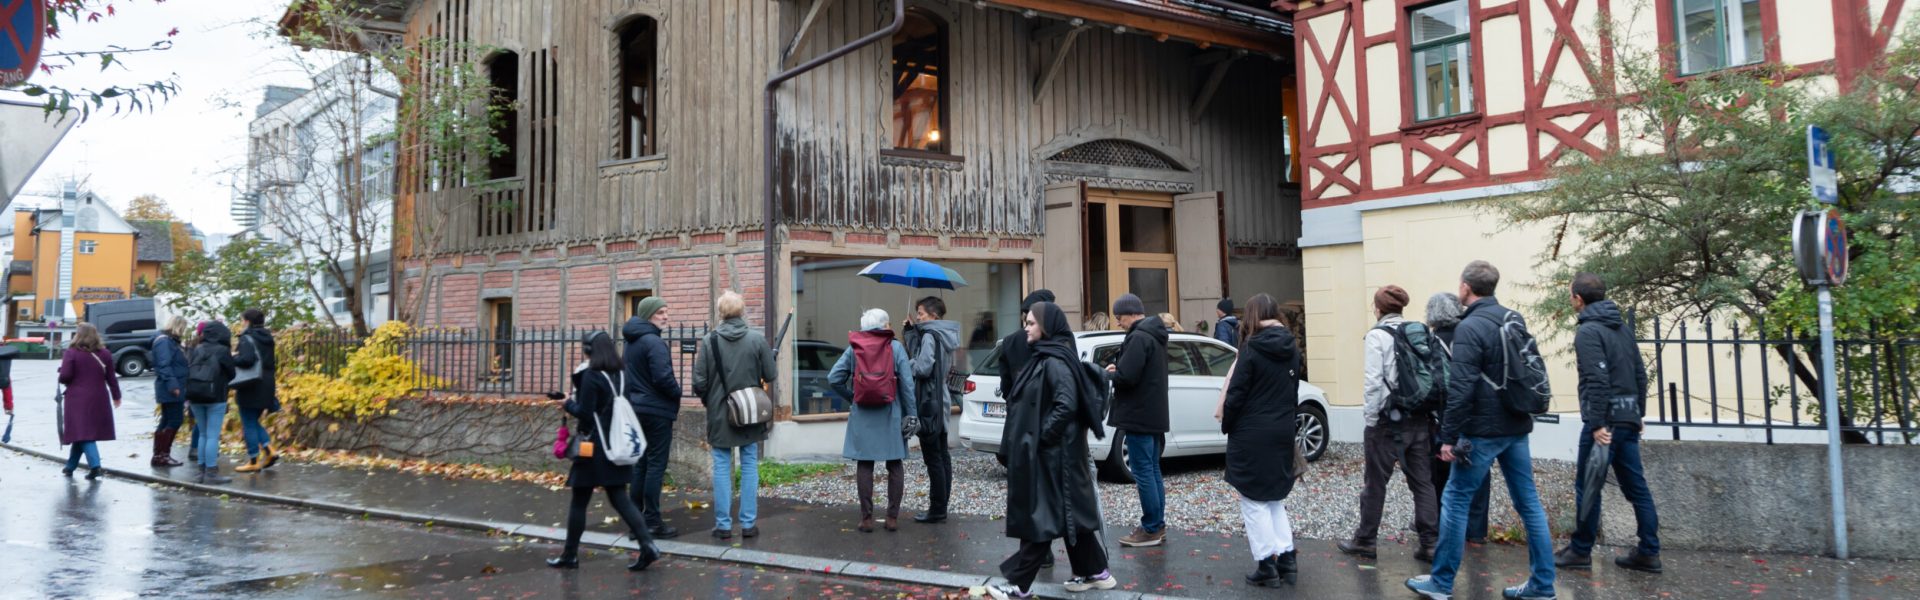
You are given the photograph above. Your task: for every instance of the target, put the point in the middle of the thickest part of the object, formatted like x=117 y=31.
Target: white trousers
x=1269 y=532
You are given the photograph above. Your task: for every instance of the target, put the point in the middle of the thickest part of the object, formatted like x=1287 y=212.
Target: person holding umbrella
x=1613 y=382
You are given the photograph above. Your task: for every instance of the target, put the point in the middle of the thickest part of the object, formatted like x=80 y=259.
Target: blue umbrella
x=913 y=273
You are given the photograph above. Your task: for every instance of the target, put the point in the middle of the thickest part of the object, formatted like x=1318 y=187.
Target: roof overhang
x=379 y=19
x=1204 y=23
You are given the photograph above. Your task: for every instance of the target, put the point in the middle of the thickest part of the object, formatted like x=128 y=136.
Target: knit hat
x=1390 y=299
x=1039 y=295
x=1129 y=304
x=648 y=306
x=1225 y=305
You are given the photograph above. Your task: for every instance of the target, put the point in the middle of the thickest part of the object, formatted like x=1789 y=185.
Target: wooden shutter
x=1200 y=252
x=1063 y=250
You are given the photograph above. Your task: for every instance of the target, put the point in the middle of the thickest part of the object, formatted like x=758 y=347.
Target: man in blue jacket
x=1613 y=386
x=1480 y=429
x=655 y=395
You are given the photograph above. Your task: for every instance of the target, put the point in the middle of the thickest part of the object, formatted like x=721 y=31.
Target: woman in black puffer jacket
x=1258 y=415
x=596 y=388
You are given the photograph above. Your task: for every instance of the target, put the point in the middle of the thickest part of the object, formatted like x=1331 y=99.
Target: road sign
x=1833 y=247
x=1820 y=247
x=23 y=28
x=1821 y=173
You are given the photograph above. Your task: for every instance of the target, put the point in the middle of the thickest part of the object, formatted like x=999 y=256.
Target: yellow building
x=1415 y=113
x=100 y=263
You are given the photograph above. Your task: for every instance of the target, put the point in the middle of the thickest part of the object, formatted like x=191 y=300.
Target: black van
x=127 y=327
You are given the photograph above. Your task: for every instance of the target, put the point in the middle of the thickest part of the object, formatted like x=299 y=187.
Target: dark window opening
x=500 y=324
x=921 y=84
x=503 y=74
x=639 y=43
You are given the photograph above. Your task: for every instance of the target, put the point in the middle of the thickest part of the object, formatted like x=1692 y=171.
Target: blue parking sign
x=1821 y=173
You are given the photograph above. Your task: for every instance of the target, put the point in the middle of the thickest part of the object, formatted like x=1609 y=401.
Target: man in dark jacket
x=1613 y=386
x=931 y=343
x=655 y=395
x=1014 y=350
x=1478 y=430
x=1139 y=375
x=1227 y=328
x=260 y=396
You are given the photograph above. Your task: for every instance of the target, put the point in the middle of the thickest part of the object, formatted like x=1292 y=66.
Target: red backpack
x=874 y=380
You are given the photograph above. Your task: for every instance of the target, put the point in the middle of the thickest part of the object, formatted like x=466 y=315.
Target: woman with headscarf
x=1443 y=315
x=597 y=385
x=1257 y=415
x=1054 y=402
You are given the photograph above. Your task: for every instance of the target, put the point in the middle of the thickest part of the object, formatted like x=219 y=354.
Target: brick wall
x=589 y=296
x=537 y=299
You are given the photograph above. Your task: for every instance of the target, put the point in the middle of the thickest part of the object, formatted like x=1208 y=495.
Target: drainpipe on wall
x=769 y=204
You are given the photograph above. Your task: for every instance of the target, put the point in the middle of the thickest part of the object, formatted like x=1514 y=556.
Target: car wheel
x=1114 y=467
x=132 y=365
x=1311 y=425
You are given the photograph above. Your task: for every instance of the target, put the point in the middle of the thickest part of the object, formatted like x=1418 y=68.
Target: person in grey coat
x=732 y=358
x=933 y=341
x=877 y=433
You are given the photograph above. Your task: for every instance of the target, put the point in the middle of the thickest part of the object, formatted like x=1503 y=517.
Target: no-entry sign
x=23 y=29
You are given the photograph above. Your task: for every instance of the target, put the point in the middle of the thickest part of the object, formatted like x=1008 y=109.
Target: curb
x=745 y=556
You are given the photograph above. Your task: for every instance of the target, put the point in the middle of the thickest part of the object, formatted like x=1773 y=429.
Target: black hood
x=637 y=328
x=1152 y=326
x=261 y=336
x=1604 y=312
x=1275 y=343
x=217 y=333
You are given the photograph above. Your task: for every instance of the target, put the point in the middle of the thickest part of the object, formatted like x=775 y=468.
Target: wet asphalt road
x=73 y=538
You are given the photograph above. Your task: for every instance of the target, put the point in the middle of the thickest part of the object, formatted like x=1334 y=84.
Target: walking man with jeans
x=1392 y=436
x=1613 y=385
x=1479 y=430
x=1139 y=375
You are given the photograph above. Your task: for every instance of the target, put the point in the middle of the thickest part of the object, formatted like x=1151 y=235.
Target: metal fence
x=1719 y=376
x=523 y=362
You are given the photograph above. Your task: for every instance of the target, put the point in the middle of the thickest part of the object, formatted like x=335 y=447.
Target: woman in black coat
x=594 y=393
x=1054 y=402
x=258 y=397
x=1258 y=418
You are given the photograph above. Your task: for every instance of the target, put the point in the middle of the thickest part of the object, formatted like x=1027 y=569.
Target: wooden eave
x=1156 y=18
x=389 y=18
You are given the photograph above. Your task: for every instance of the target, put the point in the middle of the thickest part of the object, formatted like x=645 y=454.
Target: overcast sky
x=189 y=149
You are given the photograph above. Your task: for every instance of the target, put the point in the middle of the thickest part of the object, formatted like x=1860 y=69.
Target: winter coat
x=933 y=344
x=1140 y=380
x=651 y=386
x=1227 y=330
x=593 y=395
x=92 y=386
x=1474 y=409
x=750 y=363
x=873 y=432
x=1377 y=369
x=1610 y=363
x=1438 y=397
x=1258 y=417
x=1014 y=354
x=256 y=346
x=169 y=370
x=1050 y=493
x=212 y=355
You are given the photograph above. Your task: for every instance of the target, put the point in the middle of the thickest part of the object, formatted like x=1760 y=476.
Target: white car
x=1196 y=371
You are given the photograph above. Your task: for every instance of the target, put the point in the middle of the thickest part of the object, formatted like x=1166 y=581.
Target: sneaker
x=1103 y=581
x=1354 y=548
x=1141 y=537
x=1426 y=588
x=1567 y=558
x=1520 y=592
x=1638 y=562
x=1006 y=591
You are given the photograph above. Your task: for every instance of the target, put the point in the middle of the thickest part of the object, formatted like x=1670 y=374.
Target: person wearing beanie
x=1392 y=437
x=1014 y=351
x=1139 y=412
x=1226 y=327
x=654 y=393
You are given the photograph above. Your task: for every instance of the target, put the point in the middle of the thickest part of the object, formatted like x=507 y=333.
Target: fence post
x=1673 y=399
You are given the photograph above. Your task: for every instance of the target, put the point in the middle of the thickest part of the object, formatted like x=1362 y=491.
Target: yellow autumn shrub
x=374 y=374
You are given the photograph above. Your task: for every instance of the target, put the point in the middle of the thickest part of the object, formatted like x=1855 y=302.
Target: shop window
x=1716 y=34
x=921 y=85
x=639 y=51
x=1442 y=61
x=503 y=74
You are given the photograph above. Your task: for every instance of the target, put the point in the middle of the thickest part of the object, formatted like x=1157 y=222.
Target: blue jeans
x=252 y=431
x=1143 y=458
x=723 y=486
x=91 y=449
x=206 y=430
x=1516 y=464
x=1633 y=485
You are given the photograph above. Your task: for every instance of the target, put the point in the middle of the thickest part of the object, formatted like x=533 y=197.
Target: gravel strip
x=1325 y=505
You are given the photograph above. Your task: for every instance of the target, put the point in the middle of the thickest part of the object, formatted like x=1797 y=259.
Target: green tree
x=247 y=273
x=1689 y=216
x=129 y=96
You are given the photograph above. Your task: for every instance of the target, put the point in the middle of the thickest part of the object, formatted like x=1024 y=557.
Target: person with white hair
x=875 y=375
x=733 y=357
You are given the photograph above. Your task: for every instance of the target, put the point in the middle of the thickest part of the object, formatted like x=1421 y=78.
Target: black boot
x=1266 y=572
x=93 y=473
x=211 y=476
x=648 y=554
x=1638 y=562
x=563 y=562
x=1287 y=566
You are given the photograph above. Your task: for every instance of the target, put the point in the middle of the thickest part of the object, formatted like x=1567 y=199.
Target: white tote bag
x=627 y=444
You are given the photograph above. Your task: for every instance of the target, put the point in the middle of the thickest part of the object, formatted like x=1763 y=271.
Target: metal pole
x=1828 y=394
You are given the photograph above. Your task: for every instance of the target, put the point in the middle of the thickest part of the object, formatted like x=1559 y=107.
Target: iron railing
x=524 y=362
x=1723 y=377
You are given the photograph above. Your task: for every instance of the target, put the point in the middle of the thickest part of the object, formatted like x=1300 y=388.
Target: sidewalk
x=966 y=551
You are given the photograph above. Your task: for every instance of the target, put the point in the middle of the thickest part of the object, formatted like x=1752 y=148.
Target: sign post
x=1820 y=253
x=1821 y=174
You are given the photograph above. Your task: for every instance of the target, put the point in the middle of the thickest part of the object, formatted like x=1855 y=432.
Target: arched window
x=920 y=84
x=503 y=74
x=639 y=52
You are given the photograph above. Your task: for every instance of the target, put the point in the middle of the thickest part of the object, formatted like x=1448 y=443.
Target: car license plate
x=997 y=410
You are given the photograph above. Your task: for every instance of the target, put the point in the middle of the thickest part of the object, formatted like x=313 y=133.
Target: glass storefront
x=829 y=296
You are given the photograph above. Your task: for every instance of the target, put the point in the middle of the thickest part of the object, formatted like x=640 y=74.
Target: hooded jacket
x=1377 y=373
x=931 y=346
x=1474 y=408
x=169 y=369
x=210 y=370
x=1050 y=493
x=1258 y=416
x=749 y=363
x=651 y=387
x=1140 y=380
x=1610 y=365
x=256 y=346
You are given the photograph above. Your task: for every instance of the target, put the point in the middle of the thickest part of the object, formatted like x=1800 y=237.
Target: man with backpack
x=1495 y=385
x=931 y=343
x=1613 y=388
x=1403 y=363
